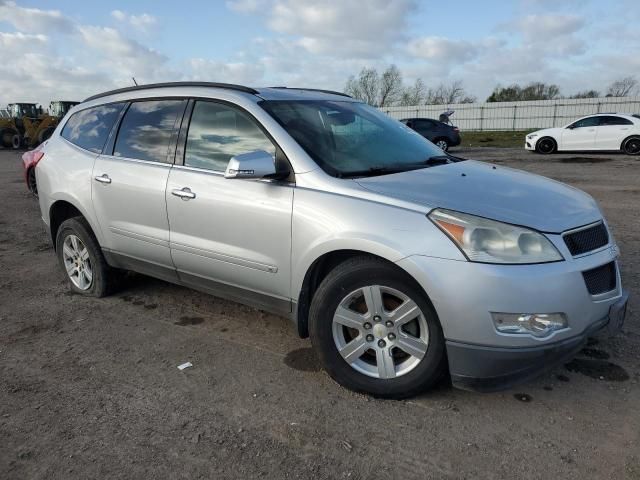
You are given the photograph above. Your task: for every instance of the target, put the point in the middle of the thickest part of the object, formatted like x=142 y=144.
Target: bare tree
x=414 y=95
x=445 y=94
x=387 y=90
x=365 y=87
x=623 y=87
x=532 y=91
x=390 y=86
x=377 y=90
x=586 y=94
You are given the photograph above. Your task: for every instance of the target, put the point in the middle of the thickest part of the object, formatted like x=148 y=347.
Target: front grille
x=601 y=279
x=586 y=240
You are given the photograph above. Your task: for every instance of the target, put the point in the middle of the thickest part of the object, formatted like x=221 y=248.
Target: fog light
x=536 y=324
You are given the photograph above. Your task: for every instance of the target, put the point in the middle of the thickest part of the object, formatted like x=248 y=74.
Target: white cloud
x=442 y=49
x=33 y=20
x=122 y=57
x=233 y=72
x=545 y=27
x=141 y=22
x=345 y=28
x=246 y=6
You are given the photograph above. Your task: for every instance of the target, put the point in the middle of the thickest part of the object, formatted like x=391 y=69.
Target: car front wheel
x=375 y=331
x=546 y=145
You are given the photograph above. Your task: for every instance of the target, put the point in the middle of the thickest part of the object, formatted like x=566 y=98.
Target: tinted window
x=587 y=122
x=423 y=125
x=218 y=132
x=90 y=128
x=145 y=131
x=614 y=120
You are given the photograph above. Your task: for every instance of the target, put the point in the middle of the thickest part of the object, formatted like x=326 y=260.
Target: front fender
x=324 y=222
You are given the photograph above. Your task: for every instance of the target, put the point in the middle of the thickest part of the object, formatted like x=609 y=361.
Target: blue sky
x=71 y=49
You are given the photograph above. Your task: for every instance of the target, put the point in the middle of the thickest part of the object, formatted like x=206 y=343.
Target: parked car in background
x=441 y=134
x=398 y=261
x=605 y=131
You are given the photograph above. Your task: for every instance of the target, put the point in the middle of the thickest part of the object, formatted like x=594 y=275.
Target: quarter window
x=90 y=128
x=218 y=132
x=146 y=129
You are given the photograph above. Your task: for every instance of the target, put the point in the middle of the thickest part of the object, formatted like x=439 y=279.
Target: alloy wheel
x=77 y=262
x=545 y=145
x=442 y=145
x=380 y=332
x=632 y=147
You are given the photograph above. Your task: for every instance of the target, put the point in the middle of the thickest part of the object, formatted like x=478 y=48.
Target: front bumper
x=465 y=293
x=487 y=369
x=530 y=144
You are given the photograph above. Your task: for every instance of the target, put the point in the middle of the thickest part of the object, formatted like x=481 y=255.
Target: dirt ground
x=89 y=387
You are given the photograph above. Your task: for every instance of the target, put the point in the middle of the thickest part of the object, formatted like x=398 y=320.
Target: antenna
x=134 y=81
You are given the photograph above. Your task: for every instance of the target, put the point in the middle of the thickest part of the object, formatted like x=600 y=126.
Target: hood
x=494 y=192
x=547 y=132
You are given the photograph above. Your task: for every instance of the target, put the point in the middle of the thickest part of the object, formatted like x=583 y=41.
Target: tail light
x=37 y=156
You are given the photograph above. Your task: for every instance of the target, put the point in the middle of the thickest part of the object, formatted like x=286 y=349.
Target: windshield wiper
x=442 y=159
x=374 y=171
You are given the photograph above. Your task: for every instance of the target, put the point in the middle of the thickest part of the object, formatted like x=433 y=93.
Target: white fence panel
x=519 y=115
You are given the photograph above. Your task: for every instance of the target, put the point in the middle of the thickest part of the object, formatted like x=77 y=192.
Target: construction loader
x=27 y=125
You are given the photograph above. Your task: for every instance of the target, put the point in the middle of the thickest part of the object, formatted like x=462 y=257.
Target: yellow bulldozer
x=25 y=125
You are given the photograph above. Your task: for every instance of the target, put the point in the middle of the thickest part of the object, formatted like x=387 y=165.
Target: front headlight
x=488 y=241
x=532 y=136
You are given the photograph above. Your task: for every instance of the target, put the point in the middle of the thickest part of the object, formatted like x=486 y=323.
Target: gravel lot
x=89 y=387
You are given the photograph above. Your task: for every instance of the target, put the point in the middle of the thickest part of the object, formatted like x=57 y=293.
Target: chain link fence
x=509 y=116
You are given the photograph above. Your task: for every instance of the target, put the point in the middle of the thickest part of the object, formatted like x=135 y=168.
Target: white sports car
x=606 y=131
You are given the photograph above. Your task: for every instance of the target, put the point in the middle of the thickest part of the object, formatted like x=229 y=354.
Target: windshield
x=352 y=139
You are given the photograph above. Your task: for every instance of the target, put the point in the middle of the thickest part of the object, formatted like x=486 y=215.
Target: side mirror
x=571 y=127
x=256 y=164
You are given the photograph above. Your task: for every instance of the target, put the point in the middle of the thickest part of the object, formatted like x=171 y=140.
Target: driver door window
x=586 y=122
x=218 y=132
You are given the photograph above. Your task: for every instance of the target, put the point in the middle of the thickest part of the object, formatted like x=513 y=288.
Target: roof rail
x=332 y=92
x=229 y=86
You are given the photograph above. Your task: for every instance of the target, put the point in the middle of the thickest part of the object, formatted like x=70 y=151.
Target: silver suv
x=401 y=262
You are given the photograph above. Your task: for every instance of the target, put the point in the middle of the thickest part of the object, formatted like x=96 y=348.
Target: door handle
x=184 y=193
x=104 y=178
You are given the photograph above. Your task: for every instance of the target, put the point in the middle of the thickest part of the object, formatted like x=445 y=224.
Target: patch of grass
x=494 y=139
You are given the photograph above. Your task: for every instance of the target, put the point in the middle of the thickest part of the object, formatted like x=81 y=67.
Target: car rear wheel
x=631 y=146
x=81 y=259
x=31 y=182
x=546 y=145
x=375 y=331
x=442 y=144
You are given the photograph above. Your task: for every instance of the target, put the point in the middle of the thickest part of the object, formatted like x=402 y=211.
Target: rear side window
x=90 y=128
x=218 y=132
x=146 y=129
x=614 y=120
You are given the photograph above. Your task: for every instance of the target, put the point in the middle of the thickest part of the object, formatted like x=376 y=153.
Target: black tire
x=104 y=277
x=442 y=143
x=631 y=146
x=546 y=146
x=356 y=273
x=10 y=138
x=31 y=181
x=45 y=134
